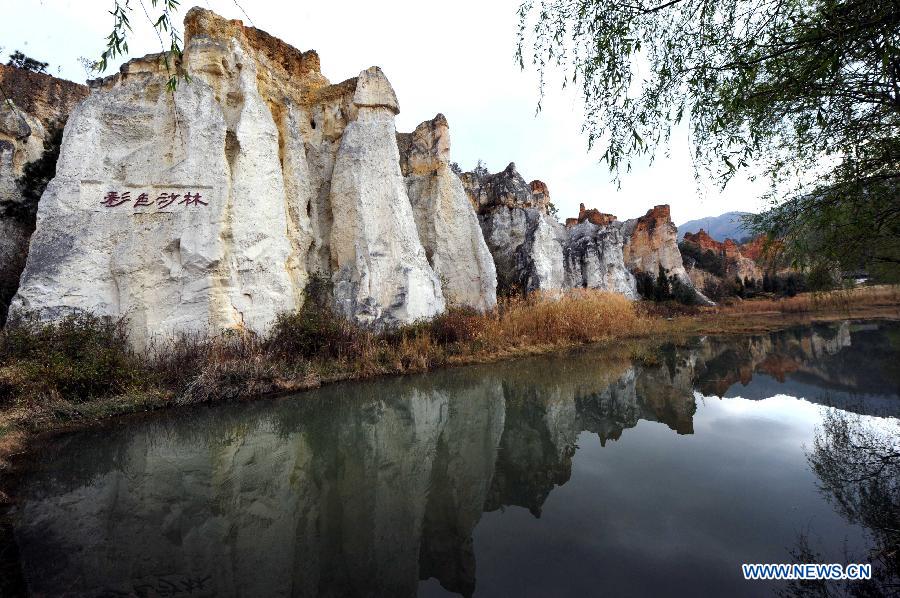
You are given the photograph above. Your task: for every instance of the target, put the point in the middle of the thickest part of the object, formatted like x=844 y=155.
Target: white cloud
x=454 y=57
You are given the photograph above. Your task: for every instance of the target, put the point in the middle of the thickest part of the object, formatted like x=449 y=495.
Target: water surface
x=556 y=476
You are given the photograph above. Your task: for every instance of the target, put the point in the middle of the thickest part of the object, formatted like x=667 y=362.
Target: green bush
x=80 y=357
x=308 y=332
x=682 y=293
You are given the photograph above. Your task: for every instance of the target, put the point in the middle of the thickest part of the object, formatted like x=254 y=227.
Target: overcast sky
x=451 y=57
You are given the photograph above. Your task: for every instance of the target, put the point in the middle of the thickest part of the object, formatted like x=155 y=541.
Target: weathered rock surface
x=533 y=251
x=446 y=221
x=740 y=260
x=594 y=216
x=525 y=241
x=593 y=259
x=34 y=106
x=382 y=273
x=651 y=243
x=211 y=207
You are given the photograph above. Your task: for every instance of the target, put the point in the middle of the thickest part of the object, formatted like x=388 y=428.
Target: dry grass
x=839 y=300
x=579 y=316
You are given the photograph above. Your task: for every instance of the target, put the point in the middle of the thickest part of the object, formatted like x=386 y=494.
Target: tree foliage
x=166 y=30
x=805 y=91
x=858 y=468
x=19 y=60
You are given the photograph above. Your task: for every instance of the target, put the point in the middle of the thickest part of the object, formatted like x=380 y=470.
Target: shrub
x=682 y=293
x=457 y=325
x=80 y=357
x=715 y=289
x=312 y=332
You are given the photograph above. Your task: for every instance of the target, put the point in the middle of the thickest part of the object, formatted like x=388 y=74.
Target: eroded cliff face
x=445 y=218
x=594 y=258
x=533 y=251
x=651 y=243
x=34 y=106
x=525 y=241
x=740 y=260
x=211 y=207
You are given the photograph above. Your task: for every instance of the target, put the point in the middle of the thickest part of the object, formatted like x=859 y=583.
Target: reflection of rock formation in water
x=843 y=357
x=332 y=504
x=321 y=497
x=361 y=489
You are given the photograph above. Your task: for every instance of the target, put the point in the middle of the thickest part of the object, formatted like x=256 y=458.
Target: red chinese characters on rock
x=164 y=200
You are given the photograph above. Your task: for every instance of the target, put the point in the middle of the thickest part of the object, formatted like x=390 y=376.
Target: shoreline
x=22 y=430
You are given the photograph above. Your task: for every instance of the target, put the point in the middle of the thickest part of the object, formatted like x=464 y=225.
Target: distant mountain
x=725 y=226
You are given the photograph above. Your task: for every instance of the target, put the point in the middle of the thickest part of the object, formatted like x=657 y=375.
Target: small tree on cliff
x=19 y=60
x=662 y=290
x=807 y=91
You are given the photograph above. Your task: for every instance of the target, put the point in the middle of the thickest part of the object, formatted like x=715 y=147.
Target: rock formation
x=532 y=250
x=445 y=218
x=594 y=259
x=35 y=105
x=382 y=274
x=740 y=260
x=211 y=207
x=651 y=243
x=593 y=216
x=525 y=241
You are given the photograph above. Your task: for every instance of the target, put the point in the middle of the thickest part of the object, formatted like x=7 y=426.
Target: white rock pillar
x=381 y=273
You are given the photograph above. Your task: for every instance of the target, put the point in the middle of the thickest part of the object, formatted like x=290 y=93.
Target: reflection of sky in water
x=644 y=485
x=764 y=386
x=659 y=512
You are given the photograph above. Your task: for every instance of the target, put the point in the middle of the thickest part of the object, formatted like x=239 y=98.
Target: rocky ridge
x=532 y=250
x=213 y=207
x=651 y=244
x=445 y=219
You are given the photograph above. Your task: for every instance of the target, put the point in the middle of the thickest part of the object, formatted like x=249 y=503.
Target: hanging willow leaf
x=805 y=91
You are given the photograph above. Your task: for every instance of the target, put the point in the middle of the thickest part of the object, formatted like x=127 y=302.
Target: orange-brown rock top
x=540 y=192
x=426 y=149
x=661 y=214
x=287 y=61
x=651 y=243
x=740 y=260
x=286 y=73
x=593 y=215
x=651 y=246
x=702 y=239
x=755 y=249
x=42 y=96
x=760 y=247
